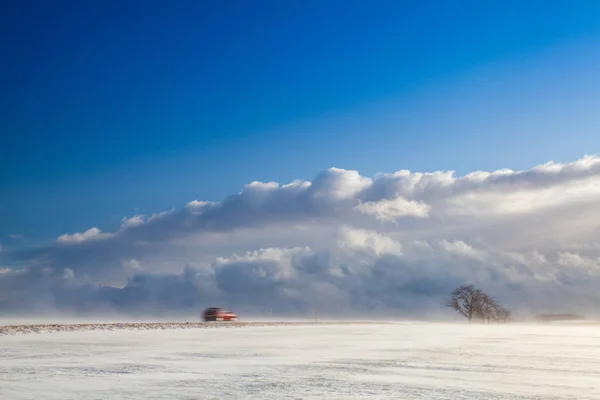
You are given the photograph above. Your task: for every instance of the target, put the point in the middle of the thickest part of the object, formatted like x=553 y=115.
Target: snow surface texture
x=376 y=361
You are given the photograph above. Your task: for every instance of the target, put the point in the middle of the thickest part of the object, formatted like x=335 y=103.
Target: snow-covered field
x=376 y=361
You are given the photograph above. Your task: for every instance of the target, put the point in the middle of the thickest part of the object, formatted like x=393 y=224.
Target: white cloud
x=197 y=205
x=370 y=241
x=568 y=259
x=91 y=234
x=132 y=267
x=462 y=249
x=530 y=237
x=339 y=184
x=390 y=210
x=136 y=220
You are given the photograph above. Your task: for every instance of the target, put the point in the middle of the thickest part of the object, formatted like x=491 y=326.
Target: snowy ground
x=387 y=361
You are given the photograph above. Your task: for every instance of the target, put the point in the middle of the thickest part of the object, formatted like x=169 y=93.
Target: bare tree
x=485 y=307
x=496 y=312
x=471 y=302
x=499 y=313
x=504 y=314
x=465 y=300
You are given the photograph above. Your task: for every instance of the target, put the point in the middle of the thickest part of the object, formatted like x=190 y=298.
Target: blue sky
x=110 y=110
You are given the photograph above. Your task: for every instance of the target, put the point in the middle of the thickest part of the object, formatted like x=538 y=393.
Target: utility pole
x=270 y=313
x=315 y=316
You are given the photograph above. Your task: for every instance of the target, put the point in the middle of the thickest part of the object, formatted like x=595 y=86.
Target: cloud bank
x=395 y=244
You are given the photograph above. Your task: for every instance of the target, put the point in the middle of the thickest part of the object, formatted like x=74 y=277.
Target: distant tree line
x=471 y=302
